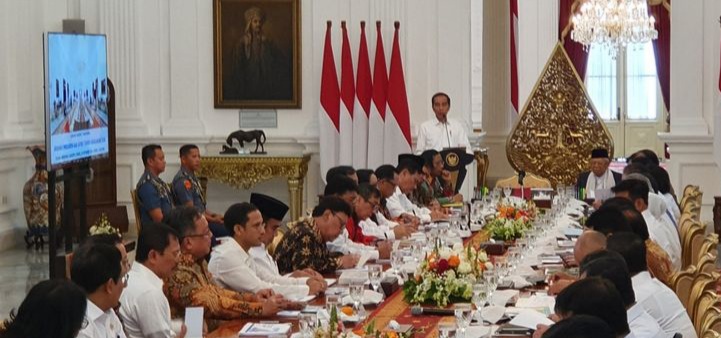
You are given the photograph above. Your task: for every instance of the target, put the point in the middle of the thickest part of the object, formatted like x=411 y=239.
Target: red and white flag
x=398 y=120
x=329 y=114
x=514 y=56
x=376 y=121
x=347 y=96
x=363 y=91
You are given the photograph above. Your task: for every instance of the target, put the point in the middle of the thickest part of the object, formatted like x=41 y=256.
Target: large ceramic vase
x=35 y=200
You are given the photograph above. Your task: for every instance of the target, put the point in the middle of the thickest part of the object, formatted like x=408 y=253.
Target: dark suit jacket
x=583 y=178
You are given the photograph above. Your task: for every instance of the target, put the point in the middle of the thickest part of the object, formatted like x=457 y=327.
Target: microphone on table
x=420 y=311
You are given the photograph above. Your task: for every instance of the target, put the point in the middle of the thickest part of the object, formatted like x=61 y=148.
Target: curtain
x=576 y=53
x=662 y=49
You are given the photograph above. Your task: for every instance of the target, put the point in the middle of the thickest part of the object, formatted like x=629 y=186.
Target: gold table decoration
x=482 y=165
x=244 y=171
x=558 y=126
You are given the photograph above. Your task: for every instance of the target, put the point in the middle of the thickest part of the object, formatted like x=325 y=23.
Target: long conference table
x=392 y=308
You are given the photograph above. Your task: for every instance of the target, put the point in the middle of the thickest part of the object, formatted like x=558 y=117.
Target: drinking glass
x=507 y=192
x=375 y=273
x=307 y=324
x=463 y=312
x=491 y=280
x=446 y=330
x=357 y=286
x=397 y=261
x=480 y=295
x=331 y=301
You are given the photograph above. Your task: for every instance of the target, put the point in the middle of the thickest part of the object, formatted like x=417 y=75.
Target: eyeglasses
x=206 y=234
x=125 y=279
x=342 y=222
x=85 y=323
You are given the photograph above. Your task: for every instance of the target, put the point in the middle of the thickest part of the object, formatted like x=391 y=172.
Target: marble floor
x=20 y=269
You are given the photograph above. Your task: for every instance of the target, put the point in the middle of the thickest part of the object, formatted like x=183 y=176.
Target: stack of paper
x=264 y=329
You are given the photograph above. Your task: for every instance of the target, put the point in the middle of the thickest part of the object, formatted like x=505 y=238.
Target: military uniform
x=303 y=247
x=186 y=188
x=153 y=193
x=191 y=284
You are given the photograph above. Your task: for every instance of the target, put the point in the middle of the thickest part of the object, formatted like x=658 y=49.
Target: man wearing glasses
x=98 y=269
x=304 y=245
x=191 y=284
x=387 y=183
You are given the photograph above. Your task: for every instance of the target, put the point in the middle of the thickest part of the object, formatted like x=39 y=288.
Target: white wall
x=161 y=61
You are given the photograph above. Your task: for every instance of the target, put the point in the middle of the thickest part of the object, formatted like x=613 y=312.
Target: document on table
x=530 y=319
x=194 y=322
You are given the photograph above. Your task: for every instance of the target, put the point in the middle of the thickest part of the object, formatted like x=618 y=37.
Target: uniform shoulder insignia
x=188 y=184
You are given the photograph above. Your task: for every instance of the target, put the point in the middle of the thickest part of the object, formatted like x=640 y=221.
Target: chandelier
x=613 y=24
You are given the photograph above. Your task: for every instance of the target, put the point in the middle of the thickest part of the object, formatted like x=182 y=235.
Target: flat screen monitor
x=76 y=98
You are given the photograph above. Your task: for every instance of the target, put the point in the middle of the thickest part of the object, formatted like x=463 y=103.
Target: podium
x=455 y=160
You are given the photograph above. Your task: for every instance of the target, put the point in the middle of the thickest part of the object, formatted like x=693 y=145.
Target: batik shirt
x=191 y=284
x=153 y=193
x=303 y=247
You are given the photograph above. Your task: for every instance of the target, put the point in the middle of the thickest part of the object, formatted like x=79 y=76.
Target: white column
x=476 y=65
x=538 y=35
x=185 y=108
x=687 y=69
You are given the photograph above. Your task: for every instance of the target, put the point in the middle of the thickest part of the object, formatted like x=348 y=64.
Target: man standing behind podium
x=187 y=189
x=441 y=132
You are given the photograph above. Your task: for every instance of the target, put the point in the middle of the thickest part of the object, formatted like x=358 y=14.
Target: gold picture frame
x=257 y=54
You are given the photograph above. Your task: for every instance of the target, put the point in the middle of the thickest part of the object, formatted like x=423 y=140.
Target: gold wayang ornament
x=558 y=126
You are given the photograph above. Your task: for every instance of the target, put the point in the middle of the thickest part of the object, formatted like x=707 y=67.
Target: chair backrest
x=136 y=209
x=693 y=237
x=708 y=300
x=711 y=323
x=681 y=283
x=530 y=181
x=702 y=282
x=709 y=246
x=685 y=224
x=707 y=263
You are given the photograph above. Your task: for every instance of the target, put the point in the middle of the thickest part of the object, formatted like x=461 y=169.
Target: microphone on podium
x=420 y=311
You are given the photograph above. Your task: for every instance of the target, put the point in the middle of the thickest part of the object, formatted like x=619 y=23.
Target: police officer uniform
x=153 y=193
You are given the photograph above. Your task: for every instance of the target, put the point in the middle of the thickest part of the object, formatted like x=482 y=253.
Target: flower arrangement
x=334 y=329
x=370 y=330
x=446 y=275
x=507 y=229
x=103 y=227
x=516 y=209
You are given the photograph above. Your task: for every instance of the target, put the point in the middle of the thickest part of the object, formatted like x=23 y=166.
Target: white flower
x=483 y=256
x=445 y=253
x=464 y=267
x=458 y=247
x=489 y=266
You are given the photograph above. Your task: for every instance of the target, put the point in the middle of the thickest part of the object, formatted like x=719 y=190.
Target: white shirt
x=267 y=269
x=672 y=206
x=434 y=134
x=666 y=236
x=232 y=268
x=373 y=229
x=383 y=221
x=642 y=325
x=399 y=204
x=662 y=304
x=144 y=308
x=344 y=245
x=101 y=324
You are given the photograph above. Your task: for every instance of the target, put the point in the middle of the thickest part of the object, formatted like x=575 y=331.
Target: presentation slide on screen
x=77 y=121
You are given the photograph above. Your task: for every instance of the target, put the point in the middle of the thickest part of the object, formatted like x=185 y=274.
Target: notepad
x=264 y=329
x=194 y=322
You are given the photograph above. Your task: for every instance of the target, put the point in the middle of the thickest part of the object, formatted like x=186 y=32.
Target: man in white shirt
x=399 y=204
x=660 y=232
x=653 y=296
x=98 y=269
x=386 y=185
x=231 y=265
x=611 y=265
x=273 y=211
x=144 y=309
x=441 y=132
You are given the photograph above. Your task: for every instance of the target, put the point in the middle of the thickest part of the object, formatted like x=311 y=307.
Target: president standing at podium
x=441 y=132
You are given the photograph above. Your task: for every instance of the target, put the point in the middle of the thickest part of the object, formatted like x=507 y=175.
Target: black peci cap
x=269 y=206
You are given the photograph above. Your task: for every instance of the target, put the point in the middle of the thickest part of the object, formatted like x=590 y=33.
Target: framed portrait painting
x=257 y=53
